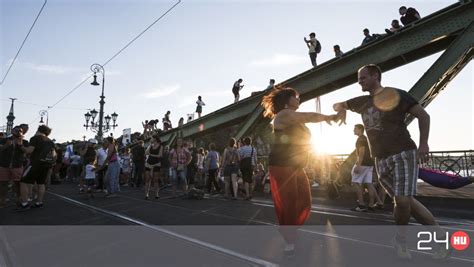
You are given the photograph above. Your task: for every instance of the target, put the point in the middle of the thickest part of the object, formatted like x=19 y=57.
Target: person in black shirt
x=236 y=89
x=362 y=172
x=408 y=15
x=368 y=37
x=383 y=112
x=39 y=145
x=138 y=158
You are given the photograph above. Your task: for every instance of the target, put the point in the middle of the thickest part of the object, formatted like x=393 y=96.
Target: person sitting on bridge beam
x=395 y=27
x=408 y=15
x=368 y=37
x=337 y=51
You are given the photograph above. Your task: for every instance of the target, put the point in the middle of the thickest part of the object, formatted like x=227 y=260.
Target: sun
x=320 y=144
x=331 y=140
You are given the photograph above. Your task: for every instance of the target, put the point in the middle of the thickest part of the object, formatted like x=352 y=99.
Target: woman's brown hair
x=276 y=100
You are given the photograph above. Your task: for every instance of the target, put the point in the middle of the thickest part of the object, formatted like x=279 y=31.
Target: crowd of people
x=99 y=167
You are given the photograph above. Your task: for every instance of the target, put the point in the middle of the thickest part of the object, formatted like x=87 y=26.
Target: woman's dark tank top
x=291 y=146
x=152 y=160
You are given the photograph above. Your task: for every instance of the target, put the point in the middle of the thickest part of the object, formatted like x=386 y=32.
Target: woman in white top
x=199 y=106
x=200 y=167
x=126 y=166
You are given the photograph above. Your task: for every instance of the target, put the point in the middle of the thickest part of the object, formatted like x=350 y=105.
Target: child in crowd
x=90 y=177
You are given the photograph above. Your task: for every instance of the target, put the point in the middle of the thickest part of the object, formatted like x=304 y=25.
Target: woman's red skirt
x=291 y=194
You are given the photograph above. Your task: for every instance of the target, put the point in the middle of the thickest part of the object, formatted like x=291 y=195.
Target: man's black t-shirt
x=236 y=88
x=363 y=143
x=39 y=142
x=384 y=121
x=138 y=154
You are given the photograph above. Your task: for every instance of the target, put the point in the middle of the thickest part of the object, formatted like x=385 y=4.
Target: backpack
x=246 y=163
x=318 y=47
x=48 y=155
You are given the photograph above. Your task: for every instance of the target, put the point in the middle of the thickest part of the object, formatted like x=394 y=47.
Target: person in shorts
x=362 y=171
x=37 y=171
x=89 y=178
x=12 y=158
x=179 y=158
x=396 y=155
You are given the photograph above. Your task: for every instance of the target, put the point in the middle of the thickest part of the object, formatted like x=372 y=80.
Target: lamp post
x=42 y=114
x=99 y=126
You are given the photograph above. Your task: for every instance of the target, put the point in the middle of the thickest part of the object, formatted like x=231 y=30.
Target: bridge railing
x=460 y=162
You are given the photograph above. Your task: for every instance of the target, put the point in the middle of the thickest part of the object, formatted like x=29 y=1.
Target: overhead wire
x=113 y=57
x=119 y=52
x=41 y=105
x=23 y=43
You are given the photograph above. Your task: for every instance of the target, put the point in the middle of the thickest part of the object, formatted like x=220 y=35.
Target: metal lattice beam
x=425 y=37
x=445 y=69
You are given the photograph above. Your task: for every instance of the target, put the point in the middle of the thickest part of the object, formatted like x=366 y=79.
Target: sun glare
x=327 y=140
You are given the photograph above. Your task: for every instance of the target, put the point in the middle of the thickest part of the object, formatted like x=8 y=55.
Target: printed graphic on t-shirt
x=372 y=118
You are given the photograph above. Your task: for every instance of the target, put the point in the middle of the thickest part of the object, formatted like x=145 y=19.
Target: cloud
x=112 y=73
x=278 y=60
x=53 y=69
x=163 y=91
x=57 y=69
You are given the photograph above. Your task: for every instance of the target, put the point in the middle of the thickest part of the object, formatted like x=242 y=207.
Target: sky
x=199 y=48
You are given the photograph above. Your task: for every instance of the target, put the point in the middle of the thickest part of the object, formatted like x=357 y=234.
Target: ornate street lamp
x=42 y=114
x=99 y=126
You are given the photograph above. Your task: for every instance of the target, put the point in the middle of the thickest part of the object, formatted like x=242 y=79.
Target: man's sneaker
x=360 y=208
x=38 y=205
x=23 y=207
x=370 y=209
x=401 y=249
x=315 y=185
x=289 y=250
x=441 y=253
x=378 y=206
